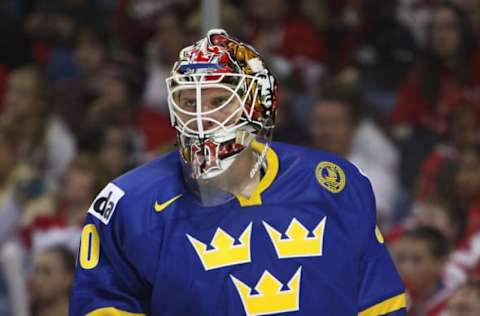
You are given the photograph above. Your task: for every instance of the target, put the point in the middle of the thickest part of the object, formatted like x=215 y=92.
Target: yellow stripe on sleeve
x=112 y=311
x=388 y=306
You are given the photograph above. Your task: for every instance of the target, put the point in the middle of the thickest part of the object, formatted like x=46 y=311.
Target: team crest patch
x=106 y=202
x=330 y=176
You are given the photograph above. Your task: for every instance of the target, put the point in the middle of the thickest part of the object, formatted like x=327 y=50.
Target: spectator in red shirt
x=288 y=40
x=463 y=132
x=448 y=71
x=61 y=221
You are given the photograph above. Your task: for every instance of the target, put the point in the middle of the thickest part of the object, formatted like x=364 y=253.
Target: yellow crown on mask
x=298 y=243
x=270 y=298
x=224 y=252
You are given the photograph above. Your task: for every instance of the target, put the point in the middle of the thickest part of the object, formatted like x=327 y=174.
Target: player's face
x=219 y=107
x=465 y=302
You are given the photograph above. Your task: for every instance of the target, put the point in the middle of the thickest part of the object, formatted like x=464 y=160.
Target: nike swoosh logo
x=160 y=207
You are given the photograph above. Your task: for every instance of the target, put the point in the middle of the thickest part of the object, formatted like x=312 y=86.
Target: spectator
x=287 y=120
x=448 y=71
x=447 y=216
x=45 y=143
x=14 y=192
x=466 y=259
x=380 y=57
x=435 y=170
x=162 y=51
x=59 y=222
x=420 y=257
x=117 y=149
x=468 y=184
x=134 y=21
x=338 y=124
x=466 y=300
x=71 y=96
x=288 y=40
x=115 y=92
x=53 y=271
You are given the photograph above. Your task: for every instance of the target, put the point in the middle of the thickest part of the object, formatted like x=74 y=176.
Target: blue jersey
x=304 y=243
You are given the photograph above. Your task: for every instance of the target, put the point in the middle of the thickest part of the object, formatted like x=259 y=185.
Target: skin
x=22 y=96
x=468 y=176
x=7 y=160
x=465 y=127
x=113 y=151
x=89 y=55
x=417 y=267
x=78 y=192
x=465 y=302
x=445 y=33
x=213 y=98
x=331 y=127
x=50 y=284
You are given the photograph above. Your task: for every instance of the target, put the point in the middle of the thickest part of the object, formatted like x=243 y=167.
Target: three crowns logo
x=224 y=252
x=270 y=298
x=298 y=243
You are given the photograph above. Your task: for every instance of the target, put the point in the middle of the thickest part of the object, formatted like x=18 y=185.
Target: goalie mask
x=221 y=97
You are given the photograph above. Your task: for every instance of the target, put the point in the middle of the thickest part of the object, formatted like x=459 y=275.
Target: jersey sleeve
x=381 y=291
x=106 y=283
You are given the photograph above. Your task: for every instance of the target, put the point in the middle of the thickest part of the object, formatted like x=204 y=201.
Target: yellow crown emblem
x=270 y=298
x=298 y=243
x=224 y=252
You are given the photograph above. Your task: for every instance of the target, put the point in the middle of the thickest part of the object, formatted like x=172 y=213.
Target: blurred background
x=393 y=86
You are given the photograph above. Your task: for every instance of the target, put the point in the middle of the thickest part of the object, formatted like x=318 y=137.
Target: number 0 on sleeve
x=89 y=247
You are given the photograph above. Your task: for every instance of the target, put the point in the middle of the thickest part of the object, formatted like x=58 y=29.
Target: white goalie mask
x=221 y=97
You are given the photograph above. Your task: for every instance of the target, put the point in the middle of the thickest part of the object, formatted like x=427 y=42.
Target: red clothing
x=155 y=127
x=413 y=108
x=46 y=231
x=296 y=37
x=434 y=305
x=132 y=32
x=301 y=40
x=430 y=170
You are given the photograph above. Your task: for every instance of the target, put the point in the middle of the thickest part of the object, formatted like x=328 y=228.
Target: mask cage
x=243 y=88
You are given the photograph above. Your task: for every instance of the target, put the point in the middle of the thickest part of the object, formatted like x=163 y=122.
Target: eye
x=189 y=104
x=217 y=102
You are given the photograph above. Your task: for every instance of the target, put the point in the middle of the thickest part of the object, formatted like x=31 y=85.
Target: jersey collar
x=267 y=180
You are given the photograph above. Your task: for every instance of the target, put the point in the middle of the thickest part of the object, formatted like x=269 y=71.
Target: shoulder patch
x=106 y=202
x=330 y=176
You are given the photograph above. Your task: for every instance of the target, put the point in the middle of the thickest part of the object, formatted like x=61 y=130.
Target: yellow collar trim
x=267 y=180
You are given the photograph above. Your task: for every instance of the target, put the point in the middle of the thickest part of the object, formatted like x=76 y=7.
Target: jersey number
x=90 y=247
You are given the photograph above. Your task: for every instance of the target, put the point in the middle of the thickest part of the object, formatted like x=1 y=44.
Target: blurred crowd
x=393 y=86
